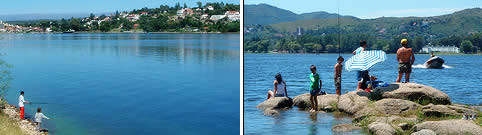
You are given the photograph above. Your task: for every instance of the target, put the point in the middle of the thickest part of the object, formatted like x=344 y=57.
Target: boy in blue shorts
x=315 y=87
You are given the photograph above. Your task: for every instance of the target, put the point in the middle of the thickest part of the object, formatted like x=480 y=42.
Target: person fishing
x=279 y=88
x=38 y=119
x=21 y=102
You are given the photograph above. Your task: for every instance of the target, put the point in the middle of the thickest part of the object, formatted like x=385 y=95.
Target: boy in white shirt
x=38 y=118
x=21 y=100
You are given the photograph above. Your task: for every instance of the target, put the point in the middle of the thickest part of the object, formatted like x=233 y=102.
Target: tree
x=5 y=78
x=105 y=26
x=466 y=46
x=185 y=5
x=92 y=16
x=317 y=48
x=199 y=4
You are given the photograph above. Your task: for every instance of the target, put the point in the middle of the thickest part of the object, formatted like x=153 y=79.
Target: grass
x=8 y=126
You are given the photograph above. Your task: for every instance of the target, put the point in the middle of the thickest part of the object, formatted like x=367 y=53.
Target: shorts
x=338 y=83
x=279 y=95
x=404 y=68
x=314 y=92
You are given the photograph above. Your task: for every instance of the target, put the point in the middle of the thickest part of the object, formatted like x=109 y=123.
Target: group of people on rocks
x=38 y=115
x=405 y=59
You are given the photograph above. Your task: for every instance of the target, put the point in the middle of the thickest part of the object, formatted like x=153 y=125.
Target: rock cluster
x=398 y=108
x=26 y=125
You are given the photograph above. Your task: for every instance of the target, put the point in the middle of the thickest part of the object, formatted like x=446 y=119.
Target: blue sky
x=88 y=6
x=374 y=8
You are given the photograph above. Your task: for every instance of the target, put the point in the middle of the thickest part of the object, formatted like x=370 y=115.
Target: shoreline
x=245 y=52
x=121 y=33
x=26 y=126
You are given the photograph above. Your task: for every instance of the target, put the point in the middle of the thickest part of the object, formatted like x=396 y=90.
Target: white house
x=443 y=49
x=204 y=16
x=217 y=17
x=209 y=8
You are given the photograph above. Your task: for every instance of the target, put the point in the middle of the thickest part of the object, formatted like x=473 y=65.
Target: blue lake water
x=461 y=81
x=128 y=83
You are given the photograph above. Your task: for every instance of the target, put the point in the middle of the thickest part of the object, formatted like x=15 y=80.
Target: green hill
x=459 y=23
x=266 y=14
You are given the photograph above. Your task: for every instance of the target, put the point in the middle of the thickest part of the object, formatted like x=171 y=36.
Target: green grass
x=8 y=126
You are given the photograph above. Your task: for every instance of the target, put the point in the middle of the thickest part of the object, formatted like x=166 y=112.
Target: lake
x=460 y=80
x=123 y=84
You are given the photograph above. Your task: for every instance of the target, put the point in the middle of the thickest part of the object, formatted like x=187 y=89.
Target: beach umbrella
x=365 y=60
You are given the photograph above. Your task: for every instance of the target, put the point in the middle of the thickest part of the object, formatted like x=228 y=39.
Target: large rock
x=395 y=106
x=276 y=103
x=387 y=106
x=414 y=92
x=344 y=128
x=378 y=128
x=394 y=118
x=272 y=105
x=451 y=127
x=424 y=132
x=353 y=102
x=445 y=110
x=325 y=102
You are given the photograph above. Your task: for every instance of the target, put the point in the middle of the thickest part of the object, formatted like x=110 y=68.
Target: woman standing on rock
x=279 y=88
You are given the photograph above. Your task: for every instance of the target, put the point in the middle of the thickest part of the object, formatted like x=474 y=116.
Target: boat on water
x=434 y=62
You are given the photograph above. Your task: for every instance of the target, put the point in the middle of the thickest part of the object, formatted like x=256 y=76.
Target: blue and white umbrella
x=365 y=60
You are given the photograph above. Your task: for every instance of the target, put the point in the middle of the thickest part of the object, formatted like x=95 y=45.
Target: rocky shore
x=400 y=108
x=27 y=126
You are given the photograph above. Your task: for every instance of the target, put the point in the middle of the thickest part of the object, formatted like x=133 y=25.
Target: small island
x=400 y=108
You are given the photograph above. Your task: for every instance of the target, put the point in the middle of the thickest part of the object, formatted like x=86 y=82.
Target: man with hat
x=405 y=60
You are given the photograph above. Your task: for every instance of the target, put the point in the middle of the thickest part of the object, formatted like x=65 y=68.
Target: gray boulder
x=378 y=128
x=345 y=128
x=353 y=102
x=325 y=102
x=387 y=106
x=445 y=110
x=424 y=132
x=413 y=92
x=451 y=127
x=272 y=105
x=276 y=103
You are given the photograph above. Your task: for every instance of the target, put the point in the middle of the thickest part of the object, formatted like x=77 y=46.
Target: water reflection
x=314 y=120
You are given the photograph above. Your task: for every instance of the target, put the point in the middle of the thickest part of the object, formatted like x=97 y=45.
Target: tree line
x=157 y=20
x=264 y=39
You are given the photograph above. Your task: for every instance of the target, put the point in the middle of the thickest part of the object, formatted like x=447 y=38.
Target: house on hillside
x=217 y=17
x=184 y=12
x=204 y=16
x=232 y=15
x=144 y=13
x=443 y=49
x=133 y=17
x=209 y=8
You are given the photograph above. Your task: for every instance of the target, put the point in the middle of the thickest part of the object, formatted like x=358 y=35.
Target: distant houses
x=442 y=49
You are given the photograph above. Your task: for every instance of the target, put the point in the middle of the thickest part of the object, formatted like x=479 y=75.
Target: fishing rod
x=339 y=29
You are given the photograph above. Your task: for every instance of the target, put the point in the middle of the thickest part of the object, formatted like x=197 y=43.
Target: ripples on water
x=461 y=82
x=129 y=83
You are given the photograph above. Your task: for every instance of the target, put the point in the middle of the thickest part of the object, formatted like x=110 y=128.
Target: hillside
x=266 y=14
x=461 y=22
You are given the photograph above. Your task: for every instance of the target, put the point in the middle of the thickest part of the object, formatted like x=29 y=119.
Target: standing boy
x=315 y=87
x=337 y=77
x=21 y=100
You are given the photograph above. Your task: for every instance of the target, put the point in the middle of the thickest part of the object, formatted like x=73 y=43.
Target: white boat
x=434 y=62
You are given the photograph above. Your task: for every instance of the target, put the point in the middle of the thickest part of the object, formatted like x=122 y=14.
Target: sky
x=10 y=7
x=374 y=8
